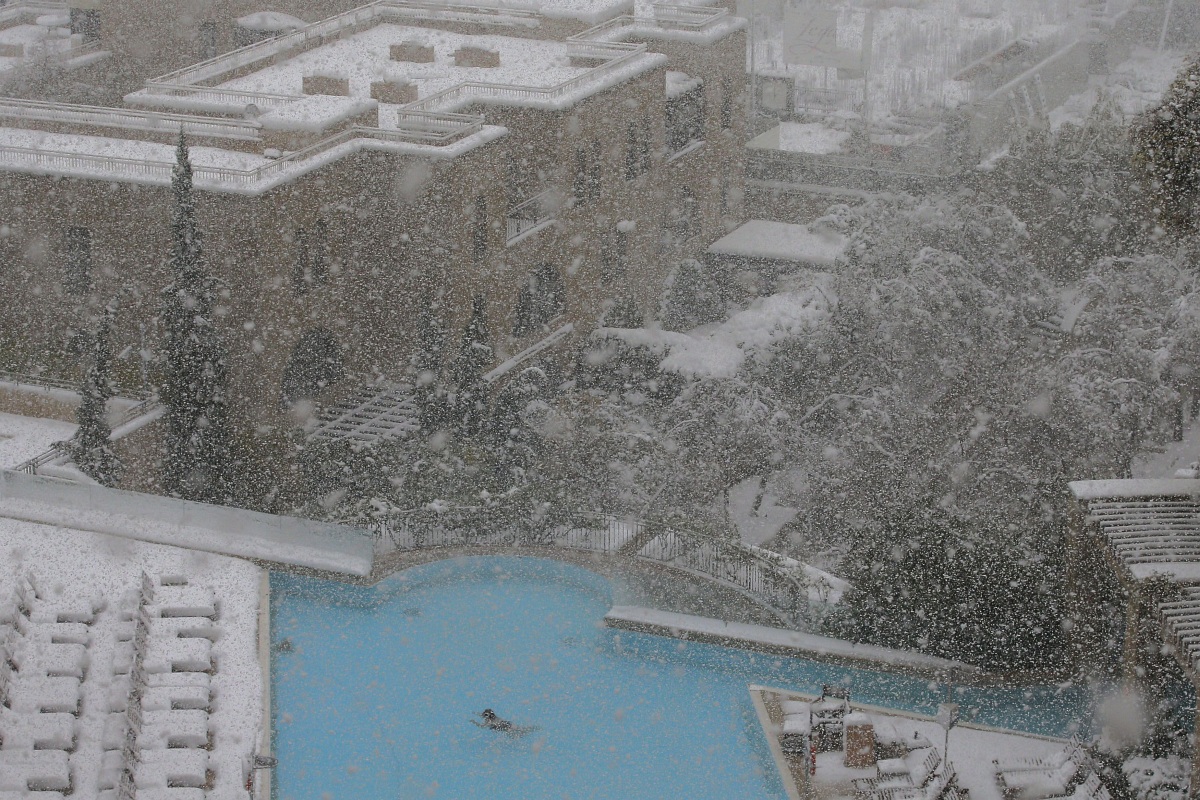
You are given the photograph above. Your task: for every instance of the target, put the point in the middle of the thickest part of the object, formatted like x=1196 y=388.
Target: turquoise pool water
x=374 y=690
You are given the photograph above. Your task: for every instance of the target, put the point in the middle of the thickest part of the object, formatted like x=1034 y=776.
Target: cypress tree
x=197 y=458
x=1165 y=140
x=474 y=357
x=91 y=449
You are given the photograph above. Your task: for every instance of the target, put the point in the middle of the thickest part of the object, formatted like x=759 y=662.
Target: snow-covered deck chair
x=112 y=763
x=173 y=793
x=932 y=790
x=34 y=770
x=53 y=632
x=162 y=769
x=913 y=770
x=36 y=606
x=166 y=698
x=36 y=731
x=183 y=601
x=178 y=655
x=32 y=695
x=43 y=658
x=1073 y=751
x=162 y=729
x=1090 y=789
x=184 y=628
x=1028 y=784
x=790 y=707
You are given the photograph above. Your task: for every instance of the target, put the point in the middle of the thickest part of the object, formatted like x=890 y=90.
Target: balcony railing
x=533 y=213
x=12 y=108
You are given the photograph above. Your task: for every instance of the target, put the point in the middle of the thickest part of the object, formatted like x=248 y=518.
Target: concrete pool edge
x=781 y=641
x=262 y=777
x=768 y=730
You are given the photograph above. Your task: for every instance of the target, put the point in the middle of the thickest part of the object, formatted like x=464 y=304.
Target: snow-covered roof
x=782 y=241
x=531 y=72
x=197 y=526
x=215 y=169
x=814 y=138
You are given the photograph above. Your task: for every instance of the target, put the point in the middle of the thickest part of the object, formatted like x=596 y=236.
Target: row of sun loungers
x=1067 y=775
x=44 y=661
x=157 y=737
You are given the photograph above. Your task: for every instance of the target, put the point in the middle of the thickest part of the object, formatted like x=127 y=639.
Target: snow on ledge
x=271 y=22
x=1125 y=488
x=740 y=634
x=194 y=526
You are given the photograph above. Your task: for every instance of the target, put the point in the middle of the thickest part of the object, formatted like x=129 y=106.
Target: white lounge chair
x=34 y=770
x=1073 y=751
x=1090 y=789
x=912 y=771
x=1029 y=784
x=173 y=729
x=44 y=658
x=32 y=695
x=162 y=769
x=37 y=731
x=178 y=655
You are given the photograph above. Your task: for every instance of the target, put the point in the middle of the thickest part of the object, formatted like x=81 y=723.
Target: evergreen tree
x=1165 y=139
x=197 y=460
x=624 y=313
x=92 y=449
x=427 y=365
x=693 y=299
x=475 y=355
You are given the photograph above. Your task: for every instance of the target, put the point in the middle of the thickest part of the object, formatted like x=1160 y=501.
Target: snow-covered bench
x=37 y=731
x=34 y=770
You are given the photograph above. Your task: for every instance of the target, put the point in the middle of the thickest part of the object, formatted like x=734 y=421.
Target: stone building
x=371 y=166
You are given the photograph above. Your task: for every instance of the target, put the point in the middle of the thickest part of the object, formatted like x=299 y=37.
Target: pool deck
x=972 y=748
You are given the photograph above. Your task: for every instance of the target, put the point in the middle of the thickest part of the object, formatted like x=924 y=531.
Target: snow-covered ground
x=22 y=438
x=1134 y=85
x=104 y=573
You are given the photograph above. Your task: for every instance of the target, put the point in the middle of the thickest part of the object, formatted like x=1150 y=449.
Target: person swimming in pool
x=494 y=722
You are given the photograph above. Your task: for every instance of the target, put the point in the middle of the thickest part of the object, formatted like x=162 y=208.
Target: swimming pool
x=374 y=689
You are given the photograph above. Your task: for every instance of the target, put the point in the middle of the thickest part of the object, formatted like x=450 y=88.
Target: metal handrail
x=60 y=450
x=529 y=214
x=695 y=19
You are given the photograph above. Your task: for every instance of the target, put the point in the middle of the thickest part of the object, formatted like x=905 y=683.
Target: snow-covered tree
x=92 y=449
x=474 y=357
x=1167 y=138
x=198 y=461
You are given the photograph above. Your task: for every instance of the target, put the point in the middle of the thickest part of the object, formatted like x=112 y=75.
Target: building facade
x=369 y=169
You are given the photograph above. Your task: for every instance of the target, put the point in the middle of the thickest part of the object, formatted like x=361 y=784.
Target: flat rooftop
x=364 y=58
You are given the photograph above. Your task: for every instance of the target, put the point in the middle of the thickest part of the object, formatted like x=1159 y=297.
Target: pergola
x=1138 y=541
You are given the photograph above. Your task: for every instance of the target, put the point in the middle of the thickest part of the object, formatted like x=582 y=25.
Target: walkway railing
x=778 y=583
x=41 y=111
x=62 y=450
